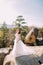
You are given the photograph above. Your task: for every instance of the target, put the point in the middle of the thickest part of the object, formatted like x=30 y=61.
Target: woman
x=19 y=48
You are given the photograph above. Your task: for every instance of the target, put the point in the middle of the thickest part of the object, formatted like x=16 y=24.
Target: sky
x=31 y=10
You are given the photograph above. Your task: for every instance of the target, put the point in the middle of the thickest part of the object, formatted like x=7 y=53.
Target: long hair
x=18 y=30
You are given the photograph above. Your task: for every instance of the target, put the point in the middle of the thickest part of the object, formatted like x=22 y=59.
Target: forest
x=7 y=35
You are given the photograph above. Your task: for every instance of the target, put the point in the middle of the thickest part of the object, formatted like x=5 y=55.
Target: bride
x=19 y=48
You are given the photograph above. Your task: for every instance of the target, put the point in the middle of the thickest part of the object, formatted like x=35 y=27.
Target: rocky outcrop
x=35 y=59
x=3 y=53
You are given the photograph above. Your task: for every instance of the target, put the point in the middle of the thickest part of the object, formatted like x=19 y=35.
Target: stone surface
x=27 y=60
x=35 y=59
x=3 y=53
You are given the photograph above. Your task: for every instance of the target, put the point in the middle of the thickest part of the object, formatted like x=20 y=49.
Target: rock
x=27 y=60
x=36 y=59
x=3 y=53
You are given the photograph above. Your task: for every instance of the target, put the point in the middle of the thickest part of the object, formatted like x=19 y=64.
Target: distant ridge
x=12 y=26
x=8 y=26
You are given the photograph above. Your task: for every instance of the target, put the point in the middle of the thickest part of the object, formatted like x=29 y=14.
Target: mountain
x=8 y=26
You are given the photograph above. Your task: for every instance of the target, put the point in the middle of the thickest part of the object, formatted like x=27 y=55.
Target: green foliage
x=8 y=34
x=4 y=29
x=23 y=34
x=1 y=43
x=40 y=34
x=19 y=22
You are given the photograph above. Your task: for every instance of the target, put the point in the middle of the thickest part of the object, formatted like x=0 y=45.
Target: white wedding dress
x=20 y=48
